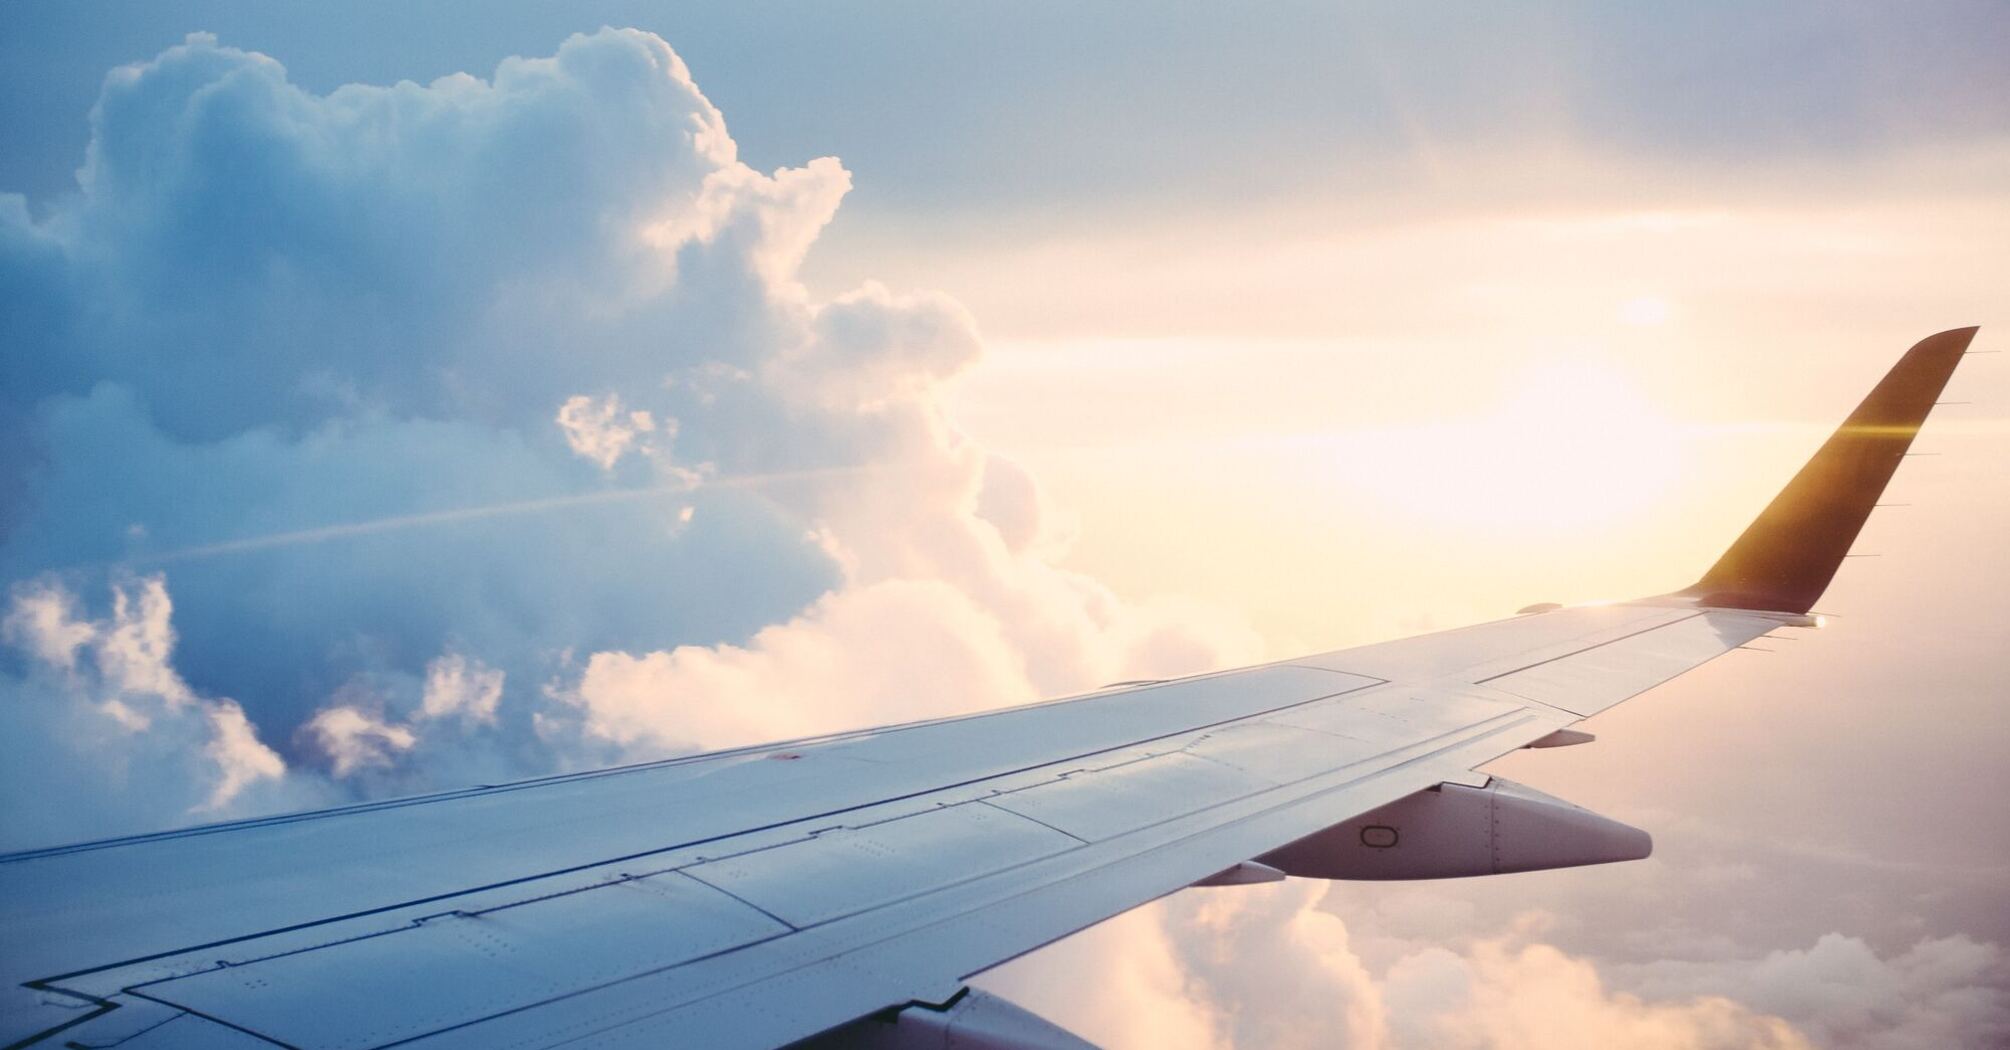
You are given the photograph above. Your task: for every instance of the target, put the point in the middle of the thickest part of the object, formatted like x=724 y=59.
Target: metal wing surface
x=765 y=895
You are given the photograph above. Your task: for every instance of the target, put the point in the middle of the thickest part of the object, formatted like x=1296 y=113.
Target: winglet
x=1787 y=556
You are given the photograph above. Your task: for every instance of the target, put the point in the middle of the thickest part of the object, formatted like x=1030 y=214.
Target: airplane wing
x=842 y=889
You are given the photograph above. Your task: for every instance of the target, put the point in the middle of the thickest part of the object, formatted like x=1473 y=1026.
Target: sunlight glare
x=1570 y=447
x=1644 y=311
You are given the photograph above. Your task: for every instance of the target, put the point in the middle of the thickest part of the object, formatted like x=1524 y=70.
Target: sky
x=401 y=396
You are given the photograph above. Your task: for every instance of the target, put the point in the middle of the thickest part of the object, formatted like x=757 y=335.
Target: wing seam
x=1586 y=649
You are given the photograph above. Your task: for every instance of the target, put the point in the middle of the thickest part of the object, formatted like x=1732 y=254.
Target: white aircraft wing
x=841 y=889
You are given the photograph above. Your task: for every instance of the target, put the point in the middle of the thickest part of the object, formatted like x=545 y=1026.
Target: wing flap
x=461 y=966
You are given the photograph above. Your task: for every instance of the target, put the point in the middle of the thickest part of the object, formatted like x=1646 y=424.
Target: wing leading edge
x=736 y=900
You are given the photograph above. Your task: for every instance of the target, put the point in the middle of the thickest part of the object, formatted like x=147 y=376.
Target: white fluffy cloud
x=599 y=430
x=484 y=428
x=358 y=734
x=355 y=738
x=1143 y=995
x=1273 y=966
x=98 y=717
x=457 y=686
x=1514 y=996
x=886 y=652
x=1941 y=991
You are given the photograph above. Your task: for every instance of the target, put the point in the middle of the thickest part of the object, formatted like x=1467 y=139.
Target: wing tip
x=1784 y=560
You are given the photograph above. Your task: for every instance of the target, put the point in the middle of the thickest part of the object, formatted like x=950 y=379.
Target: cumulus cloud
x=354 y=738
x=457 y=686
x=873 y=348
x=598 y=430
x=1275 y=966
x=1941 y=991
x=43 y=621
x=241 y=759
x=483 y=428
x=104 y=735
x=1142 y=995
x=890 y=651
x=1248 y=951
x=1533 y=995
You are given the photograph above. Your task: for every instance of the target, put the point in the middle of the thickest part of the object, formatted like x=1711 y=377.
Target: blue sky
x=365 y=437
x=956 y=110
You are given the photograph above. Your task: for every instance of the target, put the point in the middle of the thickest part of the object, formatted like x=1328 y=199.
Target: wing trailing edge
x=1787 y=556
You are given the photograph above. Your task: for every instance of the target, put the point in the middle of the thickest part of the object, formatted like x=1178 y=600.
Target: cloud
x=43 y=621
x=254 y=253
x=1246 y=952
x=128 y=652
x=354 y=738
x=600 y=431
x=103 y=735
x=891 y=651
x=873 y=348
x=1142 y=995
x=241 y=759
x=1942 y=991
x=1532 y=995
x=484 y=428
x=1274 y=966
x=459 y=686
x=375 y=544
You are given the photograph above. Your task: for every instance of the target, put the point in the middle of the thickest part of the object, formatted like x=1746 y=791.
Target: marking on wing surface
x=886 y=955
x=156 y=898
x=1591 y=680
x=1096 y=805
x=368 y=991
x=850 y=870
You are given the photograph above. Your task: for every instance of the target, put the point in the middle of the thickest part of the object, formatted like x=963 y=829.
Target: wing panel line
x=1365 y=682
x=1466 y=737
x=1588 y=648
